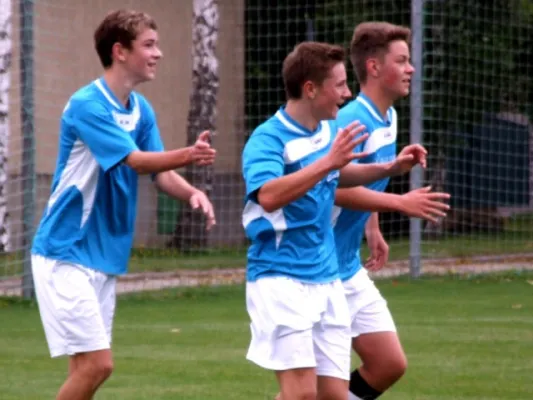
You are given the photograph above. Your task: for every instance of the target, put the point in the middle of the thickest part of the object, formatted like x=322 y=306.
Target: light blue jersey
x=295 y=241
x=349 y=226
x=90 y=216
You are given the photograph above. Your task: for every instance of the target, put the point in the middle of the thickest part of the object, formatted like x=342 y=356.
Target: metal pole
x=310 y=29
x=416 y=127
x=28 y=149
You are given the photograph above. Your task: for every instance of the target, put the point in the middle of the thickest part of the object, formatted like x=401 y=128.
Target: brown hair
x=309 y=61
x=120 y=26
x=372 y=39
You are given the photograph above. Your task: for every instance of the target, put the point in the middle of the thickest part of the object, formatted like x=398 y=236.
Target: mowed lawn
x=466 y=338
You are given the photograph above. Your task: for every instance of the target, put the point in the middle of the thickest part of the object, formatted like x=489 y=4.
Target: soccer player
x=292 y=165
x=108 y=136
x=380 y=56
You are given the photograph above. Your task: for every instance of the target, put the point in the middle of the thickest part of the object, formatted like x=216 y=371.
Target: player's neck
x=119 y=84
x=378 y=98
x=301 y=113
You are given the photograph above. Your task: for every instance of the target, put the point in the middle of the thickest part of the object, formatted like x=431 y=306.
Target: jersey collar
x=369 y=104
x=110 y=96
x=293 y=125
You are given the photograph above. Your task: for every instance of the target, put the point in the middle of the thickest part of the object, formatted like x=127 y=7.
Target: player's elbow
x=267 y=201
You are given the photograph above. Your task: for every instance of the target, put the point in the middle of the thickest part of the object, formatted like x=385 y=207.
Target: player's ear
x=118 y=52
x=309 y=89
x=372 y=66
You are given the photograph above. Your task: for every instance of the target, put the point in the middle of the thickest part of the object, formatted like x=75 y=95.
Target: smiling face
x=141 y=59
x=327 y=97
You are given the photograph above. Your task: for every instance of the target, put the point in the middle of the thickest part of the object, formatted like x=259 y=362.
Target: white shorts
x=368 y=309
x=299 y=325
x=76 y=304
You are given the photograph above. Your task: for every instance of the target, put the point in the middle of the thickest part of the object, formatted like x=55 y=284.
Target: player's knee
x=398 y=366
x=301 y=392
x=97 y=367
x=105 y=369
x=388 y=369
x=307 y=393
x=393 y=368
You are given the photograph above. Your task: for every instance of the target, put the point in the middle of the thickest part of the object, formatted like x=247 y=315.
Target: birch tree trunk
x=190 y=233
x=5 y=64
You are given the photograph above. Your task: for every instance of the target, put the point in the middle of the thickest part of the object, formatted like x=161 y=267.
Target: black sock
x=361 y=389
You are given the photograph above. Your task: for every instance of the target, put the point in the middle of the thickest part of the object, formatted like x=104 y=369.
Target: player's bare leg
x=330 y=388
x=297 y=384
x=87 y=372
x=383 y=362
x=72 y=364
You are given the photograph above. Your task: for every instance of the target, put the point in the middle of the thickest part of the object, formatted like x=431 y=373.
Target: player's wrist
x=324 y=165
x=399 y=203
x=193 y=191
x=394 y=168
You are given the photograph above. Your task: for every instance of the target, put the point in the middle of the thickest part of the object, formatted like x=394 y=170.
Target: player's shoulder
x=268 y=130
x=355 y=110
x=85 y=101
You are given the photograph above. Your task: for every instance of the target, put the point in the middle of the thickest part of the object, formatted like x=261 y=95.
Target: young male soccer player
x=292 y=165
x=381 y=59
x=108 y=136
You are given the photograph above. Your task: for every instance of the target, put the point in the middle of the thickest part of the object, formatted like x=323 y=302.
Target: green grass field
x=517 y=238
x=465 y=339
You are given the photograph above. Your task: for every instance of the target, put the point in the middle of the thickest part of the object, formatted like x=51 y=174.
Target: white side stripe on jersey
x=81 y=171
x=253 y=211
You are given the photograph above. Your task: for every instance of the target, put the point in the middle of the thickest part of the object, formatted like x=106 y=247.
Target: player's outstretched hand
x=410 y=156
x=341 y=152
x=202 y=153
x=425 y=204
x=200 y=201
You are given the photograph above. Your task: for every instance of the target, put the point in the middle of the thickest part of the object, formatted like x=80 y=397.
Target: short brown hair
x=120 y=26
x=371 y=39
x=309 y=61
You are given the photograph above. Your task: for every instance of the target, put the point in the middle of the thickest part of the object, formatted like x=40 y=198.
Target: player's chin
x=149 y=75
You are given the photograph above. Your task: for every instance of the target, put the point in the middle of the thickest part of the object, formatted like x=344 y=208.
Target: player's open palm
x=410 y=156
x=342 y=149
x=200 y=201
x=202 y=153
x=425 y=204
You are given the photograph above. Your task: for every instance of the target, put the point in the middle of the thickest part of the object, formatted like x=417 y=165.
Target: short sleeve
x=96 y=128
x=262 y=161
x=150 y=139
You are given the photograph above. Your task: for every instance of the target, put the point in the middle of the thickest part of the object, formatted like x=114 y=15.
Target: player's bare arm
x=145 y=162
x=419 y=203
x=177 y=187
x=363 y=174
x=281 y=191
x=379 y=249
